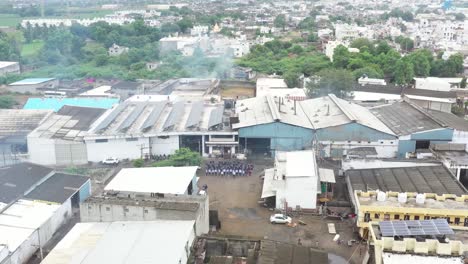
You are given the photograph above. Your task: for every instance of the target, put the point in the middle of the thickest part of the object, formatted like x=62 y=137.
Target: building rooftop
x=58 y=188
x=422 y=179
x=4 y=64
x=395 y=258
x=69 y=123
x=273 y=252
x=165 y=203
x=21 y=219
x=322 y=112
x=138 y=242
x=159 y=116
x=166 y=180
x=16 y=180
x=31 y=81
x=126 y=85
x=20 y=122
x=57 y=103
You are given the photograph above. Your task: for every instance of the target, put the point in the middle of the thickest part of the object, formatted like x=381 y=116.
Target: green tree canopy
x=280 y=21
x=335 y=81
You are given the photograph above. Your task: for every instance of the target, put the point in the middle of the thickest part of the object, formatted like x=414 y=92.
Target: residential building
x=116 y=50
x=126 y=242
x=9 y=67
x=199 y=30
x=35 y=202
x=351 y=32
x=331 y=46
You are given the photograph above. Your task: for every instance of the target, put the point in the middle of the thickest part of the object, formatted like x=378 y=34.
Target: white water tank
x=402 y=197
x=420 y=198
x=381 y=196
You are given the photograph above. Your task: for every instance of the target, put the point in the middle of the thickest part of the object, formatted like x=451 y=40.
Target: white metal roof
x=103 y=90
x=124 y=242
x=327 y=175
x=169 y=180
x=300 y=164
x=4 y=64
x=21 y=219
x=369 y=96
x=432 y=99
x=390 y=258
x=30 y=81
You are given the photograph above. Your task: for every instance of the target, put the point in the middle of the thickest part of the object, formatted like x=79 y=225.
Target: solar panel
x=195 y=115
x=175 y=115
x=415 y=228
x=216 y=116
x=108 y=120
x=127 y=123
x=154 y=115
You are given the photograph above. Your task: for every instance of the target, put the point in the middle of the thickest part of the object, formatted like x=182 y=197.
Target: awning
x=267 y=190
x=327 y=175
x=222 y=143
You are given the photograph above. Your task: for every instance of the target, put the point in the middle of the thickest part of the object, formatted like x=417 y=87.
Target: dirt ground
x=234 y=92
x=236 y=198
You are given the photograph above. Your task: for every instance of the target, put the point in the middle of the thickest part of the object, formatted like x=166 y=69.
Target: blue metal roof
x=32 y=81
x=57 y=103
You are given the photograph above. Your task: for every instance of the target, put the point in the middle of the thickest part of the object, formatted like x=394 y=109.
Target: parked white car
x=280 y=219
x=111 y=161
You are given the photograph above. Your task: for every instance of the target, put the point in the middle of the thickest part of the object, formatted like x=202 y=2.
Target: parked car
x=280 y=219
x=110 y=161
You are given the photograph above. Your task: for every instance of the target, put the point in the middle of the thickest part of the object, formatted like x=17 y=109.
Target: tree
x=335 y=81
x=182 y=157
x=369 y=71
x=404 y=72
x=406 y=44
x=363 y=44
x=7 y=102
x=291 y=78
x=185 y=24
x=421 y=60
x=463 y=83
x=101 y=59
x=138 y=163
x=280 y=21
x=341 y=57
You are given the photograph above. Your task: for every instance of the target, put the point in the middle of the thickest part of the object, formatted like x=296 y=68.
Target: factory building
x=35 y=201
x=162 y=241
x=145 y=126
x=267 y=124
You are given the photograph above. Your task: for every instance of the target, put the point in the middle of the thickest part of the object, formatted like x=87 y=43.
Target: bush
x=7 y=102
x=182 y=157
x=138 y=163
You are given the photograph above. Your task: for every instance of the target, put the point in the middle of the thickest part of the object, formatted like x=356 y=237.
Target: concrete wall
x=102 y=212
x=10 y=69
x=164 y=146
x=85 y=191
x=119 y=148
x=283 y=136
x=70 y=152
x=297 y=192
x=41 y=150
x=439 y=106
x=460 y=137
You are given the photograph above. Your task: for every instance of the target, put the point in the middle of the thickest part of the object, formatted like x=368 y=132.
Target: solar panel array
x=128 y=122
x=175 y=115
x=195 y=115
x=415 y=228
x=154 y=115
x=216 y=116
x=110 y=118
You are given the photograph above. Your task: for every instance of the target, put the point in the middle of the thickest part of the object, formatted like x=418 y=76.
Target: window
x=107 y=209
x=131 y=139
x=416 y=217
x=427 y=217
x=386 y=217
x=366 y=217
x=376 y=216
x=126 y=210
x=101 y=140
x=396 y=217
x=146 y=211
x=406 y=217
x=457 y=220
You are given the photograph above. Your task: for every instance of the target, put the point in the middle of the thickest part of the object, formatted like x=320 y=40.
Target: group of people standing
x=228 y=168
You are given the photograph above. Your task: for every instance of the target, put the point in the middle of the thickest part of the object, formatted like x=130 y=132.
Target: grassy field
x=9 y=20
x=31 y=49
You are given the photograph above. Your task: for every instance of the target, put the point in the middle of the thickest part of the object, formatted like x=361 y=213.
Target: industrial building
x=59 y=139
x=33 y=85
x=425 y=241
x=144 y=126
x=146 y=194
x=267 y=124
x=35 y=201
x=418 y=128
x=162 y=241
x=15 y=126
x=405 y=191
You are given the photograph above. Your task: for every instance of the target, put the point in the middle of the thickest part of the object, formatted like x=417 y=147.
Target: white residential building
x=116 y=50
x=9 y=67
x=199 y=30
x=351 y=32
x=331 y=46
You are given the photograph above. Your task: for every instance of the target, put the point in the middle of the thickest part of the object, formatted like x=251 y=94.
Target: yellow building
x=389 y=207
x=389 y=250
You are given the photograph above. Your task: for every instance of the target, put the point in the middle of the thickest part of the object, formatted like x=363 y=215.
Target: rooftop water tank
x=402 y=197
x=381 y=196
x=420 y=198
